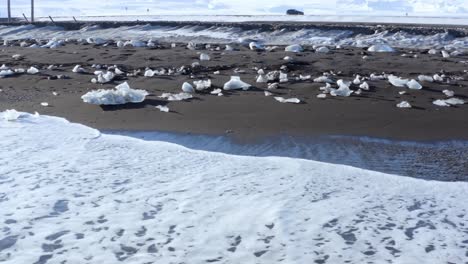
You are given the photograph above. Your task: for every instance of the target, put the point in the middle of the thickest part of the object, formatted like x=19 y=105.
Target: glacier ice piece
x=404 y=104
x=288 y=100
x=236 y=83
x=122 y=94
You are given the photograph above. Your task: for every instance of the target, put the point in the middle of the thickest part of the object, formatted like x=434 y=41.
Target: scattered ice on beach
x=380 y=48
x=256 y=46
x=45 y=104
x=448 y=93
x=122 y=94
x=445 y=54
x=163 y=108
x=202 y=84
x=375 y=77
x=103 y=77
x=236 y=83
x=78 y=69
x=118 y=71
x=32 y=70
x=267 y=93
x=326 y=89
x=204 y=57
x=364 y=86
x=187 y=88
x=323 y=79
x=10 y=115
x=397 y=81
x=294 y=48
x=176 y=97
x=438 y=78
x=414 y=85
x=289 y=100
x=425 y=78
x=343 y=89
x=322 y=50
x=404 y=104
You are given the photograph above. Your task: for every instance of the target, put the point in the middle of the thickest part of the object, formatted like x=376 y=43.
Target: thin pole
x=51 y=19
x=9 y=12
x=75 y=20
x=32 y=11
x=25 y=18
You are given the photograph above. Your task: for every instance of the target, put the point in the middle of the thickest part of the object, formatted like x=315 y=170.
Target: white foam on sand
x=81 y=196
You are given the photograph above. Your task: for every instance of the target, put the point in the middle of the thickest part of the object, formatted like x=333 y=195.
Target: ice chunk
x=438 y=78
x=4 y=67
x=304 y=77
x=404 y=104
x=449 y=102
x=256 y=46
x=32 y=70
x=118 y=71
x=122 y=94
x=176 y=97
x=323 y=79
x=187 y=88
x=283 y=77
x=236 y=83
x=96 y=41
x=445 y=54
x=262 y=78
x=425 y=78
x=272 y=86
x=322 y=96
x=135 y=43
x=380 y=48
x=397 y=81
x=357 y=80
x=78 y=69
x=273 y=76
x=216 y=91
x=149 y=73
x=17 y=56
x=120 y=44
x=163 y=108
x=204 y=57
x=289 y=100
x=448 y=93
x=294 y=48
x=216 y=72
x=364 y=86
x=432 y=51
x=322 y=50
x=287 y=58
x=229 y=48
x=10 y=115
x=343 y=89
x=414 y=85
x=202 y=84
x=45 y=104
x=4 y=73
x=105 y=77
x=375 y=77
x=440 y=102
x=267 y=93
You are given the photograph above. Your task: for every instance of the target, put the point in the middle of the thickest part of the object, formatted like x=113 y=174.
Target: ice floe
x=236 y=83
x=122 y=94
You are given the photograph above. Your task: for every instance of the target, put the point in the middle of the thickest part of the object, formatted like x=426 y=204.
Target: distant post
x=9 y=12
x=32 y=11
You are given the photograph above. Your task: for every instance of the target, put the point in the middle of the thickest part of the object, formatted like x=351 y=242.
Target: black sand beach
x=246 y=114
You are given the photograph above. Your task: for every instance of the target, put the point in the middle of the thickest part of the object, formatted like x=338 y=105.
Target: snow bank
x=122 y=94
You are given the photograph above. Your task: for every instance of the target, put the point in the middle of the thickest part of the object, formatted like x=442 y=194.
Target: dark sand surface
x=245 y=114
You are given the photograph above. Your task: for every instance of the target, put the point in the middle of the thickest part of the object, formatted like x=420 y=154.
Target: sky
x=236 y=7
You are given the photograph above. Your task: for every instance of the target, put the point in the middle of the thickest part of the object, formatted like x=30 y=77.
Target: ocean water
x=71 y=194
x=215 y=33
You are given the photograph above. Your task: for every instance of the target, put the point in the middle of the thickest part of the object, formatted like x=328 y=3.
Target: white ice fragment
x=202 y=84
x=96 y=41
x=304 y=77
x=289 y=100
x=256 y=46
x=294 y=48
x=425 y=78
x=438 y=78
x=262 y=78
x=187 y=88
x=17 y=56
x=267 y=93
x=216 y=91
x=229 y=48
x=283 y=77
x=4 y=73
x=414 y=85
x=322 y=50
x=32 y=70
x=176 y=97
x=4 y=67
x=204 y=57
x=375 y=77
x=397 y=81
x=118 y=71
x=448 y=93
x=402 y=92
x=236 y=83
x=105 y=77
x=135 y=43
x=441 y=102
x=122 y=94
x=380 y=48
x=163 y=108
x=10 y=115
x=149 y=73
x=357 y=80
x=445 y=54
x=216 y=72
x=120 y=44
x=45 y=104
x=364 y=86
x=455 y=101
x=272 y=86
x=287 y=58
x=323 y=79
x=404 y=104
x=322 y=96
x=432 y=51
x=78 y=69
x=343 y=89
x=55 y=93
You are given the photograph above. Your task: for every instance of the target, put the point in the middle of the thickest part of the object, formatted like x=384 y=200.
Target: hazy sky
x=222 y=7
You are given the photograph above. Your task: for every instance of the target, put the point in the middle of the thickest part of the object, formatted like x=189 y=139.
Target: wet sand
x=245 y=114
